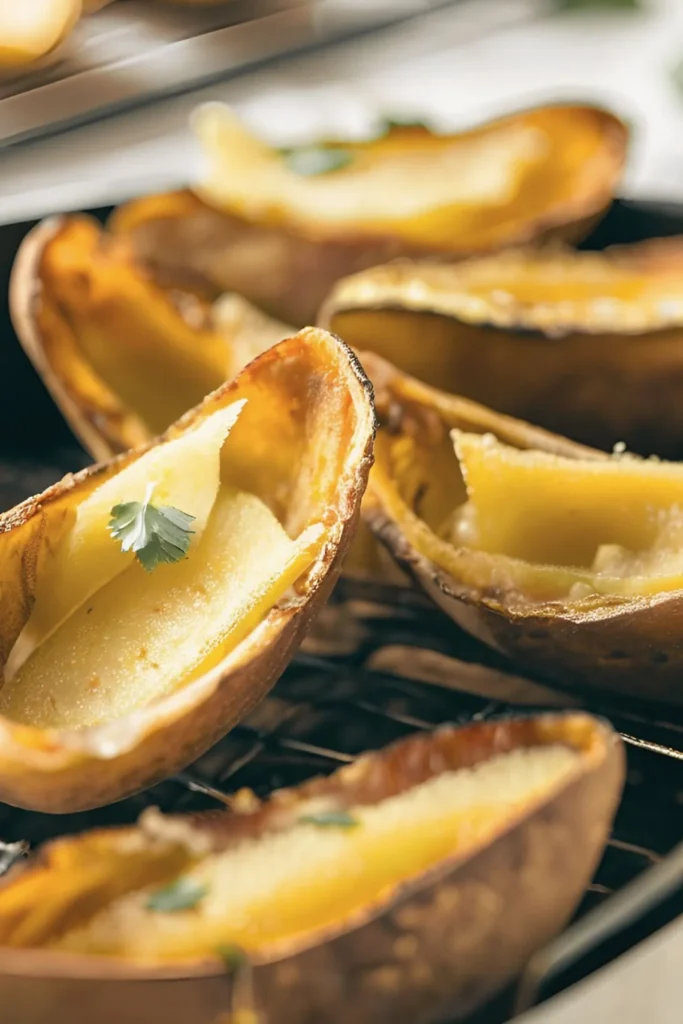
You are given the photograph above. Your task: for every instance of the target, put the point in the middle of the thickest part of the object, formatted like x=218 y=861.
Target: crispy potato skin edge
x=442 y=946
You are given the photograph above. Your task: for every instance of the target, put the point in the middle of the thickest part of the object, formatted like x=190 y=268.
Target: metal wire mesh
x=381 y=664
x=357 y=685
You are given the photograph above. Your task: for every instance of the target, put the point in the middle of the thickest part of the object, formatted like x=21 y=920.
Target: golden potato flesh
x=117 y=669
x=263 y=890
x=311 y=888
x=122 y=358
x=566 y=559
x=584 y=343
x=280 y=228
x=458 y=193
x=616 y=526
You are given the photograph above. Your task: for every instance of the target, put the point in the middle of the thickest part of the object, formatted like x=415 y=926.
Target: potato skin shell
x=63 y=772
x=632 y=647
x=442 y=947
x=596 y=378
x=288 y=270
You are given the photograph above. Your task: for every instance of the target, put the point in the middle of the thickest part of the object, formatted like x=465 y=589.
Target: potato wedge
x=115 y=677
x=494 y=831
x=567 y=560
x=587 y=344
x=32 y=29
x=122 y=358
x=280 y=229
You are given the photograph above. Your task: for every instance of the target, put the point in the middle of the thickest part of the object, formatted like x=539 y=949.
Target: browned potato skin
x=597 y=386
x=288 y=272
x=435 y=947
x=64 y=772
x=631 y=646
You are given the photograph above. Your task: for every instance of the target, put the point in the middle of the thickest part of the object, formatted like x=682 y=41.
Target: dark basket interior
x=380 y=664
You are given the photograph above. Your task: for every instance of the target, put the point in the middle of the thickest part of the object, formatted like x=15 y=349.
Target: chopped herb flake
x=402 y=121
x=182 y=894
x=310 y=161
x=330 y=819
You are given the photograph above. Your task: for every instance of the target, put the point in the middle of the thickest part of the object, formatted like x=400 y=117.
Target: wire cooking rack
x=380 y=664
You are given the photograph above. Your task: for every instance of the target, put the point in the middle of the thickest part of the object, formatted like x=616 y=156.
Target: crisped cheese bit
x=143 y=635
x=185 y=473
x=303 y=877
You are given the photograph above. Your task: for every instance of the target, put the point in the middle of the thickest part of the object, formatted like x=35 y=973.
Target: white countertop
x=441 y=67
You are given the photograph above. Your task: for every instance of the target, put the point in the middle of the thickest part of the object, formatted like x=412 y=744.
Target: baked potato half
x=280 y=227
x=121 y=357
x=119 y=669
x=587 y=344
x=565 y=559
x=408 y=886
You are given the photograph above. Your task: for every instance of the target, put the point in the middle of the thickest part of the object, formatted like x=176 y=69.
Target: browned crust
x=441 y=289
x=442 y=943
x=632 y=646
x=68 y=771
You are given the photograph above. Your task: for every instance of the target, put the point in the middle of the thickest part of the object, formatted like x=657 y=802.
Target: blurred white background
x=451 y=66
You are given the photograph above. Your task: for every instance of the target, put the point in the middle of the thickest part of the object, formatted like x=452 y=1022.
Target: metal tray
x=380 y=663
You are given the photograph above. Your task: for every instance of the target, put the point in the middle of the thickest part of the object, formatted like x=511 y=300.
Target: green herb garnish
x=402 y=121
x=310 y=161
x=232 y=956
x=182 y=894
x=330 y=819
x=156 y=535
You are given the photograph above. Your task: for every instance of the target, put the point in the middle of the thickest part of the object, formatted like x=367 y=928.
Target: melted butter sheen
x=143 y=635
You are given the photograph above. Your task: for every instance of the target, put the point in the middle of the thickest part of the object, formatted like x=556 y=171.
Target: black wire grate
x=357 y=685
x=380 y=664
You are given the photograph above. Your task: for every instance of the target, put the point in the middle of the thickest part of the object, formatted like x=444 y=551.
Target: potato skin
x=287 y=268
x=61 y=772
x=441 y=945
x=599 y=378
x=630 y=646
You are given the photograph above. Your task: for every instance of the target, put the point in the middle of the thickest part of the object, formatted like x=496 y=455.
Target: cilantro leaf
x=330 y=819
x=156 y=535
x=182 y=894
x=310 y=161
